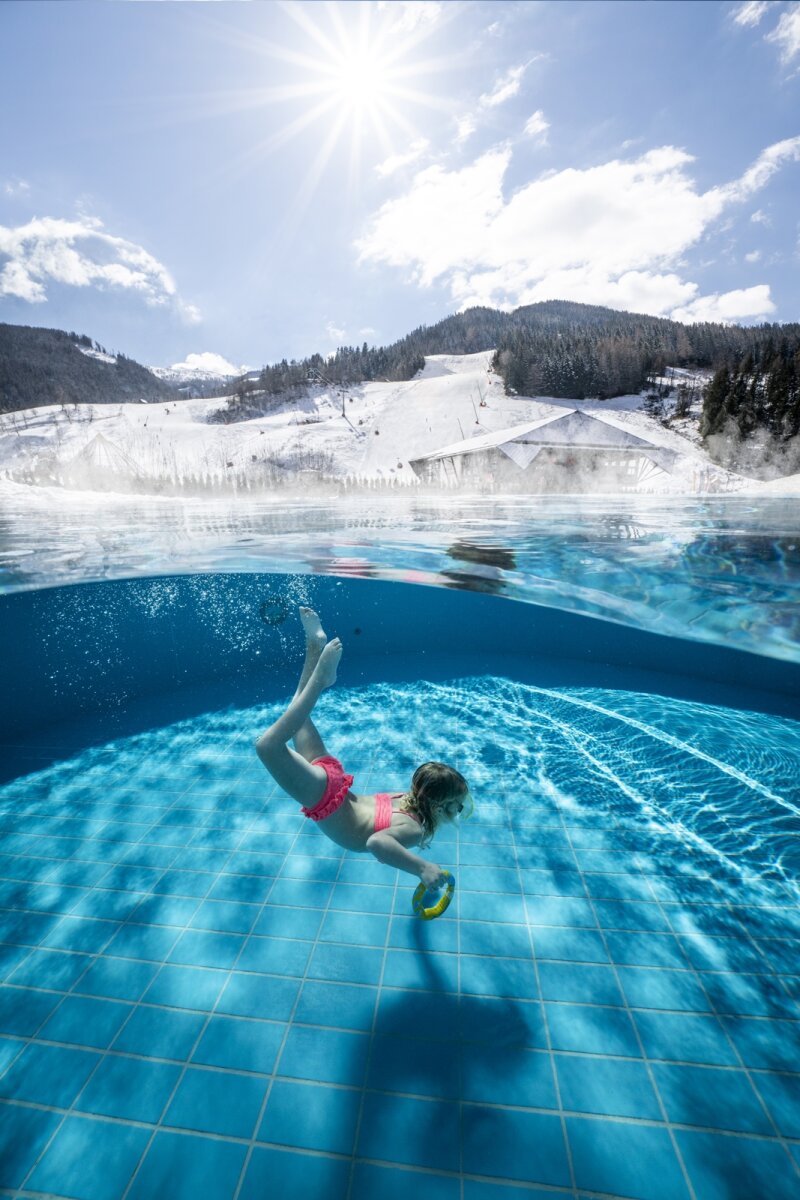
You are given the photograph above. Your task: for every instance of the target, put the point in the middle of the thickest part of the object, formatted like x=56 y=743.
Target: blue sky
x=260 y=180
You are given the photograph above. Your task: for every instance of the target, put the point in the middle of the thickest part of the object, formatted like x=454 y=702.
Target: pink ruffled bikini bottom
x=336 y=789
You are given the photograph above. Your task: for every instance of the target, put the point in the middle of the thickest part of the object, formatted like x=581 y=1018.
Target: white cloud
x=786 y=34
x=753 y=257
x=507 y=86
x=728 y=306
x=334 y=333
x=413 y=13
x=16 y=187
x=465 y=127
x=396 y=161
x=537 y=126
x=211 y=364
x=759 y=217
x=615 y=233
x=750 y=12
x=80 y=253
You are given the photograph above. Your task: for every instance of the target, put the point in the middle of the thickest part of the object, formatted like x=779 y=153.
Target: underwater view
x=202 y=992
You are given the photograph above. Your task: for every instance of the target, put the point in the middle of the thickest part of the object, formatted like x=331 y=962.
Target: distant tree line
x=751 y=408
x=46 y=366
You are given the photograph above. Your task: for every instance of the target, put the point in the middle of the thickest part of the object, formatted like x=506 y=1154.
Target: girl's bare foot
x=328 y=662
x=315 y=634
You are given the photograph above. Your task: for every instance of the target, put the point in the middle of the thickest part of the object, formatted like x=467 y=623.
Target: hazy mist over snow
x=210 y=185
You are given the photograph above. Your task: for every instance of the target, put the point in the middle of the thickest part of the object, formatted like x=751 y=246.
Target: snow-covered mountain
x=199 y=368
x=368 y=431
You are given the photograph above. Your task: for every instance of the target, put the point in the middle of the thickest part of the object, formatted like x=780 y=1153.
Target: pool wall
x=99 y=648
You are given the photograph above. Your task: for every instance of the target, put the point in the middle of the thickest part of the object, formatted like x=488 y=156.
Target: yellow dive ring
x=435 y=910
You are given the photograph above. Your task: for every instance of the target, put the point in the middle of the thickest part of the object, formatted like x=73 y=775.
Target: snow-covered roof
x=569 y=429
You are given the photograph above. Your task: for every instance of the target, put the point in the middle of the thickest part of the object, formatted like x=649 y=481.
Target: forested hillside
x=48 y=366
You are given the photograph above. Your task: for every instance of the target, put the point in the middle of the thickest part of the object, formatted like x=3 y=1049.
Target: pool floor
x=202 y=995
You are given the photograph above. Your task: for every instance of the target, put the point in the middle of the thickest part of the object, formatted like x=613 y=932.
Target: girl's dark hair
x=433 y=786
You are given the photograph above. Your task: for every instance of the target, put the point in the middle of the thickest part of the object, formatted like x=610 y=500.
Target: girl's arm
x=387 y=849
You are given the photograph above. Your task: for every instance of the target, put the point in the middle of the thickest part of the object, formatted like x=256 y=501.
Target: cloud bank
x=79 y=253
x=611 y=234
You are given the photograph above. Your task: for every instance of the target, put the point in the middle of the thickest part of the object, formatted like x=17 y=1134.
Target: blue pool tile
x=617 y=887
x=331 y=1056
x=346 y=964
x=184 y=883
x=764 y=1043
x=22 y=1010
x=51 y=1075
x=424 y=1132
x=410 y=969
x=23 y=1134
x=722 y=1167
x=339 y=1005
x=552 y=883
x=164 y=910
x=301 y=893
x=219 y=1102
x=86 y=1021
x=117 y=978
x=225 y=916
x=160 y=1033
x=390 y=1183
x=481 y=937
x=240 y=1045
x=9 y=1049
x=499 y=1022
x=90 y=1159
x=749 y=995
x=259 y=996
x=626 y=1159
x=475 y=906
x=514 y=1145
x=275 y=956
x=355 y=929
x=129 y=1089
x=569 y=945
x=183 y=1167
x=608 y=1087
x=23 y=928
x=427 y=937
x=246 y=889
x=647 y=987
x=476 y=1190
x=111 y=906
x=711 y=1097
x=311 y=1117
x=781 y=1094
x=186 y=987
x=507 y=1074
x=561 y=910
x=496 y=977
x=295 y=1176
x=80 y=933
x=422 y=1067
x=578 y=982
x=52 y=969
x=723 y=954
x=152 y=943
x=200 y=949
x=10 y=958
x=277 y=921
x=631 y=914
x=592 y=1030
x=358 y=898
x=645 y=949
x=684 y=1037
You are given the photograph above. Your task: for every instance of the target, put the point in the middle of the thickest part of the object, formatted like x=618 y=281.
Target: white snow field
x=366 y=432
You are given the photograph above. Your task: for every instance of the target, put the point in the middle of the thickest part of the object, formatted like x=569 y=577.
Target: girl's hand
x=433 y=877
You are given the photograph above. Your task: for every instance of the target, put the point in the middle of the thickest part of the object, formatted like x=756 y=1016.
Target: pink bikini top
x=384 y=810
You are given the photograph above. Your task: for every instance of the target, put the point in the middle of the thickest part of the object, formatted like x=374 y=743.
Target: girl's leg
x=307 y=740
x=290 y=770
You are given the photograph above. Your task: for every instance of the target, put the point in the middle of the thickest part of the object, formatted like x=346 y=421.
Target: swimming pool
x=201 y=993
